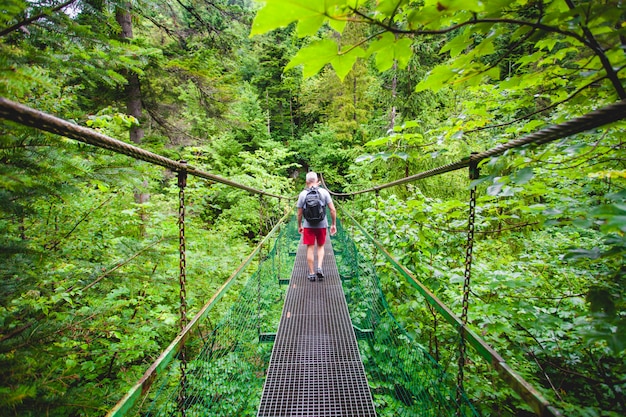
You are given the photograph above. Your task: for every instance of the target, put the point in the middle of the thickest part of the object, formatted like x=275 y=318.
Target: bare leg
x=320 y=255
x=310 y=253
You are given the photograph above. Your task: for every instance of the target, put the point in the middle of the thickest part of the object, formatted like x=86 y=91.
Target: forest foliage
x=364 y=92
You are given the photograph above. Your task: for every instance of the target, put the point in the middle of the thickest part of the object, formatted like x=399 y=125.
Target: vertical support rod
x=278 y=245
x=182 y=183
x=260 y=270
x=376 y=223
x=473 y=174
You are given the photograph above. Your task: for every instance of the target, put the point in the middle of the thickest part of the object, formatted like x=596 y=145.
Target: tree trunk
x=354 y=98
x=269 y=120
x=133 y=88
x=133 y=102
x=291 y=115
x=394 y=93
x=133 y=92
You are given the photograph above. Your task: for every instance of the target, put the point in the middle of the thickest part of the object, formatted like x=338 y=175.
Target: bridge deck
x=315 y=369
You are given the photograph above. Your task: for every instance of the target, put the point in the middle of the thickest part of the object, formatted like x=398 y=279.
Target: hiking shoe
x=319 y=273
x=311 y=277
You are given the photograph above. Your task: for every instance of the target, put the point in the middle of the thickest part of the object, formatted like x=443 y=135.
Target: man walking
x=315 y=224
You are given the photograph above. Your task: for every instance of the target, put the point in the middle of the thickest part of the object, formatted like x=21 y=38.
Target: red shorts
x=309 y=236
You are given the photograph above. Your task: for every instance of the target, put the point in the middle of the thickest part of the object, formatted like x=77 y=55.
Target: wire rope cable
x=592 y=120
x=28 y=116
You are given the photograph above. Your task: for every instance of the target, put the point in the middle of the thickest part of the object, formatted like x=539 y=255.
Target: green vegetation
x=365 y=93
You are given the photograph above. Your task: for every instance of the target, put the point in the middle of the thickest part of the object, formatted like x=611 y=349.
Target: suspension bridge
x=290 y=347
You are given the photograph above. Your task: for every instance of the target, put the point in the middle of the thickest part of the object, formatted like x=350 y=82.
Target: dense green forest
x=363 y=92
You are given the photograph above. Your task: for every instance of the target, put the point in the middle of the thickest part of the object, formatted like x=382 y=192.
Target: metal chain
x=376 y=223
x=258 y=282
x=182 y=183
x=473 y=169
x=278 y=246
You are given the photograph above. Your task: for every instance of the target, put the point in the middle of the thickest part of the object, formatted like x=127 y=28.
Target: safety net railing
x=404 y=378
x=414 y=368
x=228 y=355
x=217 y=365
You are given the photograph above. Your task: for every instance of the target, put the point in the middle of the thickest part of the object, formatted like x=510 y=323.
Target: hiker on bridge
x=311 y=205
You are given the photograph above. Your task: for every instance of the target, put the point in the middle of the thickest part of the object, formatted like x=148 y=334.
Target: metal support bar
x=260 y=270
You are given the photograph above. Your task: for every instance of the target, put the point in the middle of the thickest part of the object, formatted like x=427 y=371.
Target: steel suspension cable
x=28 y=116
x=595 y=119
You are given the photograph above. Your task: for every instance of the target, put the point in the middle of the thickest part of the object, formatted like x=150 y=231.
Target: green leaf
x=620 y=195
x=310 y=26
x=599 y=300
x=403 y=52
x=609 y=210
x=389 y=49
x=378 y=142
x=388 y=7
x=546 y=43
x=495 y=188
x=615 y=223
x=344 y=62
x=480 y=181
x=338 y=25
x=436 y=79
x=457 y=44
x=507 y=191
x=314 y=56
x=278 y=13
x=310 y=16
x=574 y=254
x=384 y=59
x=484 y=48
x=362 y=158
x=523 y=176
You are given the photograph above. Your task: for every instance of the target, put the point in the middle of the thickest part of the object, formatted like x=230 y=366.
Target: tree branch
x=545 y=374
x=599 y=51
x=121 y=264
x=535 y=25
x=85 y=216
x=551 y=106
x=30 y=20
x=513 y=227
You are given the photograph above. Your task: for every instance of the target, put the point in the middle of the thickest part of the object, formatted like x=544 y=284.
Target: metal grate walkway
x=315 y=369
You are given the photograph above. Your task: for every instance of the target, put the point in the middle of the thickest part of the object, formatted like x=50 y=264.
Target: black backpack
x=313 y=209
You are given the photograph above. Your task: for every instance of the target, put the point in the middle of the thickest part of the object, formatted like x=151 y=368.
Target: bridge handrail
x=528 y=393
x=142 y=387
x=592 y=120
x=27 y=116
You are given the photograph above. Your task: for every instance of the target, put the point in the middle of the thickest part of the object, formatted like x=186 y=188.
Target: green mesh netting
x=227 y=361
x=404 y=379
